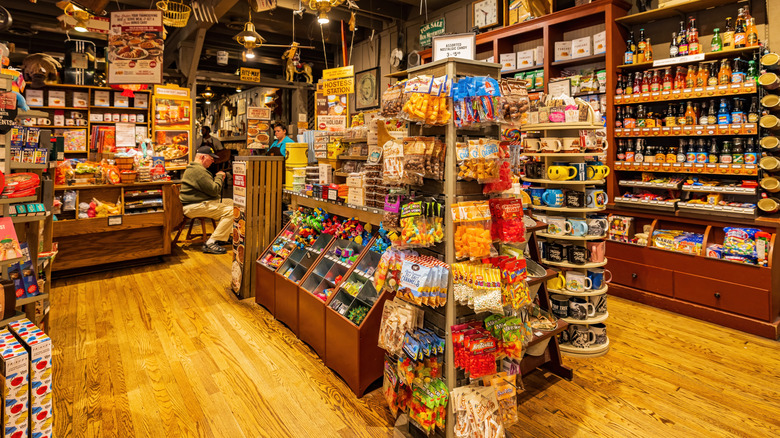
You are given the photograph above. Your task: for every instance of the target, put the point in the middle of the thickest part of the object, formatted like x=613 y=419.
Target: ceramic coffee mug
x=553 y=198
x=557 y=283
x=76 y=115
x=578 y=255
x=574 y=198
x=44 y=121
x=597 y=226
x=582 y=169
x=580 y=308
x=597 y=279
x=132 y=118
x=561 y=173
x=107 y=117
x=124 y=117
x=115 y=117
x=536 y=195
x=558 y=226
x=595 y=198
x=580 y=336
x=599 y=303
x=559 y=304
x=70 y=122
x=553 y=252
x=532 y=144
x=577 y=282
x=579 y=227
x=139 y=118
x=535 y=170
x=596 y=172
x=599 y=334
x=597 y=250
x=571 y=144
x=550 y=144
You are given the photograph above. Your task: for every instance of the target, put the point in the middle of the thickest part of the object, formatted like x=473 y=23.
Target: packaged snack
x=473 y=230
x=393 y=170
x=740 y=242
x=392 y=100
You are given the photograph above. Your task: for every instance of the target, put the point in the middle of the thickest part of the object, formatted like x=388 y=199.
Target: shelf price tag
x=736 y=88
x=114 y=221
x=656 y=131
x=709 y=91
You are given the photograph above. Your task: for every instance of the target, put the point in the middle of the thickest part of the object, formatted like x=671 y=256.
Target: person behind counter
x=279 y=146
x=207 y=140
x=201 y=196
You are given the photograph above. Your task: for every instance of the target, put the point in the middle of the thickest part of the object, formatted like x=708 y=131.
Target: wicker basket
x=127 y=177
x=125 y=166
x=175 y=13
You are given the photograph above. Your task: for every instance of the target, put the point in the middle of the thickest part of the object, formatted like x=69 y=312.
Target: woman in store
x=279 y=146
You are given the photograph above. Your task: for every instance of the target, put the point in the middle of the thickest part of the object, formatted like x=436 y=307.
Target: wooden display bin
x=265 y=280
x=289 y=276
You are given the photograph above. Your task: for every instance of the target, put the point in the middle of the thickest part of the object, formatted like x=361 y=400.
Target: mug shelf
x=564 y=209
x=563 y=154
x=560 y=126
x=568 y=237
x=595 y=351
x=595 y=320
x=573 y=266
x=589 y=293
x=553 y=181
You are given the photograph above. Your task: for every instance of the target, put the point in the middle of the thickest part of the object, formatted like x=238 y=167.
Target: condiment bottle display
x=738 y=152
x=728 y=35
x=641 y=46
x=725 y=153
x=724 y=75
x=668 y=81
x=716 y=45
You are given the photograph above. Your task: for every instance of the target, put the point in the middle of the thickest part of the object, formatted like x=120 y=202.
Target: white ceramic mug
x=115 y=117
x=70 y=122
x=581 y=308
x=571 y=144
x=551 y=144
x=580 y=336
x=599 y=334
x=139 y=118
x=132 y=118
x=532 y=144
x=44 y=121
x=599 y=303
x=577 y=281
x=558 y=226
x=124 y=118
x=107 y=117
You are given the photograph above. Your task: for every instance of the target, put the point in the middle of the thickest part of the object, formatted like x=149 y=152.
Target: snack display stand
x=269 y=261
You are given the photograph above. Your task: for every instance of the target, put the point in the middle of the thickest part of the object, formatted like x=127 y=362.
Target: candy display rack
x=265 y=278
x=580 y=185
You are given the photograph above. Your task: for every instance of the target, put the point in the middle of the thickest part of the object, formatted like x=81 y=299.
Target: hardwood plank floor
x=167 y=351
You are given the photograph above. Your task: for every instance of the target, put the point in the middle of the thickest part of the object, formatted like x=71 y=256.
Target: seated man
x=201 y=196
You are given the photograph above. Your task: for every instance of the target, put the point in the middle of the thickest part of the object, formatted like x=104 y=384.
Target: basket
x=175 y=13
x=123 y=160
x=127 y=177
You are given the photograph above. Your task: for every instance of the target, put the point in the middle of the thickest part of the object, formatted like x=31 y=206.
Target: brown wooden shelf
x=734 y=170
x=72 y=108
x=708 y=56
x=732 y=130
x=677 y=97
x=524 y=69
x=673 y=10
x=59 y=127
x=30 y=300
x=118 y=108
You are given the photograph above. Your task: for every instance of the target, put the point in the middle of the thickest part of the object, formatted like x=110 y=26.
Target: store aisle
x=166 y=351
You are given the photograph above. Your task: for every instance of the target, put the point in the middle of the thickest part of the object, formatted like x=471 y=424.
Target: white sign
x=331 y=123
x=678 y=60
x=454 y=46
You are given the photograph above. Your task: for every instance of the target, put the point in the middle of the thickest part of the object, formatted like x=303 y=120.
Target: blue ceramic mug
x=553 y=198
x=536 y=195
x=597 y=275
x=579 y=227
x=582 y=170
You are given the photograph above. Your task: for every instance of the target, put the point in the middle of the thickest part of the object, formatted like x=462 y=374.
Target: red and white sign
x=135 y=47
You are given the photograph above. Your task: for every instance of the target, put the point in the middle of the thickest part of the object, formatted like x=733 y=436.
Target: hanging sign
x=250 y=74
x=454 y=46
x=222 y=57
x=258 y=112
x=339 y=72
x=331 y=110
x=338 y=86
x=430 y=30
x=135 y=47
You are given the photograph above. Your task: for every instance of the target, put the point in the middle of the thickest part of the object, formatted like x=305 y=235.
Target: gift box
x=525 y=58
x=581 y=47
x=562 y=50
x=38 y=346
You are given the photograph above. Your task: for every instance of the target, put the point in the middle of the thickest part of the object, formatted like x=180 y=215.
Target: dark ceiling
x=36 y=29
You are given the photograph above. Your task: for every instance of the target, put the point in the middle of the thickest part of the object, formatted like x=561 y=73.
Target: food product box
x=508 y=61
x=562 y=50
x=491 y=59
x=326 y=173
x=356 y=196
x=539 y=55
x=80 y=99
x=38 y=346
x=525 y=58
x=356 y=180
x=56 y=98
x=600 y=43
x=581 y=47
x=14 y=368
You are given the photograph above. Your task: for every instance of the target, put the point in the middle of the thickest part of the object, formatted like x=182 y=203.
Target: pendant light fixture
x=207 y=93
x=322 y=7
x=249 y=38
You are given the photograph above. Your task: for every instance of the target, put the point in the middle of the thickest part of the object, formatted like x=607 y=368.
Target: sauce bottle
x=693 y=37
x=630 y=150
x=724 y=75
x=737 y=114
x=671 y=116
x=728 y=35
x=740 y=37
x=646 y=79
x=752 y=33
x=701 y=152
x=752 y=115
x=655 y=82
x=668 y=80
x=673 y=49
x=703 y=114
x=641 y=46
x=738 y=152
x=751 y=154
x=713 y=79
x=638 y=82
x=725 y=153
x=690 y=152
x=713 y=155
x=712 y=115
x=724 y=118
x=703 y=76
x=682 y=40
x=690 y=115
x=690 y=78
x=681 y=115
x=648 y=51
x=681 y=151
x=737 y=73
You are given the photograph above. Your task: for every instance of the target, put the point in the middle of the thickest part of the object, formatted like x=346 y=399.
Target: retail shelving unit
x=268 y=262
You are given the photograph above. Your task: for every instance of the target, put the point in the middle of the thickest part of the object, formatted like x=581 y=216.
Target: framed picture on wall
x=241 y=107
x=367 y=89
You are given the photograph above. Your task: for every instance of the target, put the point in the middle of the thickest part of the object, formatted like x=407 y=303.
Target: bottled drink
x=621 y=150
x=713 y=155
x=668 y=81
x=751 y=153
x=673 y=49
x=641 y=115
x=716 y=45
x=712 y=115
x=619 y=85
x=725 y=153
x=728 y=35
x=703 y=76
x=738 y=152
x=660 y=154
x=690 y=151
x=701 y=152
x=681 y=115
x=619 y=117
x=724 y=75
x=671 y=116
x=680 y=152
x=641 y=46
x=740 y=38
x=752 y=70
x=737 y=73
x=724 y=118
x=679 y=78
x=693 y=37
x=713 y=79
x=752 y=33
x=690 y=78
x=628 y=84
x=639 y=151
x=690 y=115
x=629 y=119
x=703 y=113
x=629 y=55
x=682 y=40
x=646 y=79
x=638 y=82
x=648 y=51
x=633 y=49
x=737 y=113
x=752 y=115
x=630 y=150
x=655 y=82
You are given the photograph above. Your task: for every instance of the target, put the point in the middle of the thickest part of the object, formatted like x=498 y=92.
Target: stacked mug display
x=558 y=252
x=568 y=198
x=591 y=226
x=565 y=171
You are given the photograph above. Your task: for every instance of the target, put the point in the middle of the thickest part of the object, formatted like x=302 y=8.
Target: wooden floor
x=166 y=351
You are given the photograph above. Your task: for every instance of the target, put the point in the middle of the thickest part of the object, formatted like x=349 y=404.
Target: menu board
x=172 y=112
x=331 y=110
x=171 y=122
x=239 y=225
x=135 y=47
x=257 y=134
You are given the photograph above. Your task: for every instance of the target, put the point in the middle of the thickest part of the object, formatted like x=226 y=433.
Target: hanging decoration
x=175 y=12
x=322 y=7
x=294 y=66
x=249 y=38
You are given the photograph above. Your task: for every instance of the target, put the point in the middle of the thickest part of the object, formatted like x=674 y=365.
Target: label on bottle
x=701 y=157
x=723 y=119
x=739 y=40
x=738 y=158
x=752 y=117
x=716 y=46
x=673 y=51
x=660 y=157
x=621 y=156
x=649 y=123
x=737 y=117
x=703 y=120
x=737 y=77
x=667 y=86
x=629 y=59
x=681 y=121
x=751 y=158
x=683 y=49
x=690 y=157
x=725 y=159
x=712 y=158
x=671 y=158
x=680 y=158
x=640 y=123
x=712 y=120
x=638 y=157
x=629 y=156
x=693 y=48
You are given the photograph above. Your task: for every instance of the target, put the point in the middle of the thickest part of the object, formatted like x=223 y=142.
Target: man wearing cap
x=201 y=197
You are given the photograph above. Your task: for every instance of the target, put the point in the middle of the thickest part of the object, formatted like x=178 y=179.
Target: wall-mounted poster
x=135 y=47
x=331 y=111
x=367 y=89
x=172 y=144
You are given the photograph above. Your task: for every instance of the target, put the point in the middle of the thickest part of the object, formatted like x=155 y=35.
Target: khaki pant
x=213 y=209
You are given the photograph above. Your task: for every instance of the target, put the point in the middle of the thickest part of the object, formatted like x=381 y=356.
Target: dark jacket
x=198 y=184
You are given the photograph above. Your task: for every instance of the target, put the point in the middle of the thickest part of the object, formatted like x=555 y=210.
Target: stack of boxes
x=27 y=381
x=581 y=47
x=299 y=179
x=373 y=183
x=356 y=189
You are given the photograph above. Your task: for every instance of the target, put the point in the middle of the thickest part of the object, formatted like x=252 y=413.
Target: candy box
x=562 y=50
x=581 y=47
x=14 y=368
x=38 y=346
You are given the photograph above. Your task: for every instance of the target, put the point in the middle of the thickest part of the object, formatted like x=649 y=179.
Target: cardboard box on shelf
x=38 y=346
x=356 y=196
x=490 y=59
x=14 y=367
x=539 y=55
x=507 y=61
x=525 y=58
x=600 y=43
x=356 y=180
x=326 y=173
x=562 y=50
x=581 y=47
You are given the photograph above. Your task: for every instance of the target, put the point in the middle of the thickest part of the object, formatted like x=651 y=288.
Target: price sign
x=454 y=46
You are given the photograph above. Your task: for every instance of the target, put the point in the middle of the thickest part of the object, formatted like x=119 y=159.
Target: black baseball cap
x=207 y=150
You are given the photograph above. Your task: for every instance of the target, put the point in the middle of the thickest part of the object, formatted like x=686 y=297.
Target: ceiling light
x=208 y=102
x=250 y=54
x=238 y=89
x=207 y=93
x=323 y=19
x=249 y=38
x=322 y=7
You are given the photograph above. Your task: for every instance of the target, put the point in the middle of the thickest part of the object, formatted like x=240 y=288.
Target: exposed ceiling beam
x=195 y=58
x=183 y=34
x=209 y=77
